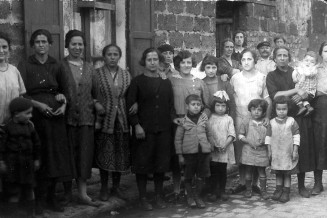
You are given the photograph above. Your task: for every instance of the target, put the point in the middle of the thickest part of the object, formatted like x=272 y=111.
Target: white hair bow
x=221 y=94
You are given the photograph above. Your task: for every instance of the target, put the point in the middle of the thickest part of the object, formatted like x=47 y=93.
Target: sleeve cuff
x=240 y=136
x=296 y=139
x=267 y=140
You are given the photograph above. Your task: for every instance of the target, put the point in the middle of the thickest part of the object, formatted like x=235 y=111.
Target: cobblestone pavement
x=238 y=206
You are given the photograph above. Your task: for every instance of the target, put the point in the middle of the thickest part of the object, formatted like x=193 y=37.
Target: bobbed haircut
x=255 y=103
x=216 y=100
x=181 y=56
x=244 y=36
x=208 y=59
x=104 y=50
x=282 y=100
x=38 y=32
x=253 y=53
x=322 y=47
x=149 y=50
x=279 y=37
x=192 y=97
x=279 y=48
x=5 y=37
x=71 y=34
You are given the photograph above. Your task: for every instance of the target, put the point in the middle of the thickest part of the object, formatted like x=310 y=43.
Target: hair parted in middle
x=149 y=50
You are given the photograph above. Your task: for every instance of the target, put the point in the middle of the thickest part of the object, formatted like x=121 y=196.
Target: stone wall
x=12 y=23
x=186 y=25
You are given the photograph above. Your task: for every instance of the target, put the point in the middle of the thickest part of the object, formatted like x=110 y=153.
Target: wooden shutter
x=141 y=14
x=45 y=14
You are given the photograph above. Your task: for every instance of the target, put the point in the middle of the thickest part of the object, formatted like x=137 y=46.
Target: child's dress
x=219 y=128
x=282 y=135
x=19 y=147
x=305 y=78
x=256 y=132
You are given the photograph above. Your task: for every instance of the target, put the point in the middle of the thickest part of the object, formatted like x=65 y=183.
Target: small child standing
x=20 y=154
x=193 y=149
x=255 y=153
x=305 y=78
x=221 y=134
x=283 y=140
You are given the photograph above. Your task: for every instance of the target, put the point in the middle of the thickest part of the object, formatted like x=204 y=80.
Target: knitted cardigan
x=113 y=98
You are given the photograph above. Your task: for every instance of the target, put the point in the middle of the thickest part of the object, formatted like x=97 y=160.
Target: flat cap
x=264 y=43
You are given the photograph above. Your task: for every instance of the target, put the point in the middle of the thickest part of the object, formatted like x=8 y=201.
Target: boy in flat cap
x=265 y=64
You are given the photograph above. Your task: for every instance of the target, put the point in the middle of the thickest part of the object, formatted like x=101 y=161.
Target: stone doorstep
x=128 y=186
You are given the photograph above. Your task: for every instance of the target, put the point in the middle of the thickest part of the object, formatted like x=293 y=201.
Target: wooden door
x=223 y=31
x=45 y=14
x=141 y=35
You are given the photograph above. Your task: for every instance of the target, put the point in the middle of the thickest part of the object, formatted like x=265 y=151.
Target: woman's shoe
x=277 y=193
x=104 y=196
x=211 y=197
x=304 y=192
x=89 y=202
x=145 y=205
x=238 y=189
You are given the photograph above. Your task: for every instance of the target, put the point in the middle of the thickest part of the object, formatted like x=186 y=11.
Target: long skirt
x=319 y=119
x=112 y=151
x=81 y=140
x=306 y=150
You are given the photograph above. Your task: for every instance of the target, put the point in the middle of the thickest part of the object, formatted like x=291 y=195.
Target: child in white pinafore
x=283 y=140
x=221 y=134
x=255 y=153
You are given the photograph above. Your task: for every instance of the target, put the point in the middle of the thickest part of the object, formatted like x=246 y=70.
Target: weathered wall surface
x=186 y=25
x=12 y=23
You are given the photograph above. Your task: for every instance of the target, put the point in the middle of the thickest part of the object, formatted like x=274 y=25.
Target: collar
x=50 y=60
x=238 y=50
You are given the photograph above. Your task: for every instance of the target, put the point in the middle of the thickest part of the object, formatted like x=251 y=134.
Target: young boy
x=193 y=149
x=20 y=155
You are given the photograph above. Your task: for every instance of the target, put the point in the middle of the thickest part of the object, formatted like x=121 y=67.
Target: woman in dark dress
x=112 y=152
x=240 y=40
x=151 y=126
x=319 y=119
x=46 y=85
x=280 y=83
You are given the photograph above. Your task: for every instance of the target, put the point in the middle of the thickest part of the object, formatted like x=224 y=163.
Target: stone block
x=16 y=55
x=155 y=22
x=264 y=25
x=209 y=9
x=281 y=27
x=271 y=12
x=192 y=40
x=184 y=23
x=272 y=25
x=208 y=42
x=166 y=22
x=175 y=7
x=160 y=6
x=319 y=14
x=175 y=39
x=17 y=9
x=246 y=10
x=4 y=9
x=160 y=38
x=15 y=33
x=259 y=10
x=252 y=23
x=193 y=7
x=201 y=24
x=293 y=29
x=198 y=56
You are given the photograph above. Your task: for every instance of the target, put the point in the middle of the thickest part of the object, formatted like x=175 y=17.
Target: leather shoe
x=145 y=204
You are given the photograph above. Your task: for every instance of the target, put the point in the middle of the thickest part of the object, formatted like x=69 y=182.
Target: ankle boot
x=189 y=197
x=277 y=193
x=263 y=188
x=198 y=199
x=286 y=195
x=302 y=190
x=317 y=188
x=248 y=192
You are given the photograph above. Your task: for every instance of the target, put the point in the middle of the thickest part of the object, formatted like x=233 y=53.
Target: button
x=157 y=106
x=157 y=96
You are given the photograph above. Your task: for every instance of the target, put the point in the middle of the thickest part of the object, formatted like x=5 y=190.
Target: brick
x=281 y=27
x=272 y=25
x=208 y=42
x=166 y=22
x=160 y=6
x=201 y=24
x=193 y=7
x=293 y=29
x=246 y=10
x=192 y=40
x=175 y=7
x=209 y=9
x=4 y=9
x=198 y=56
x=176 y=39
x=160 y=38
x=264 y=25
x=184 y=23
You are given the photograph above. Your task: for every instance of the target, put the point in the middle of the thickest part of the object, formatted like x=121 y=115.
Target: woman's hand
x=181 y=160
x=178 y=121
x=99 y=108
x=302 y=94
x=265 y=121
x=36 y=165
x=60 y=111
x=61 y=98
x=139 y=132
x=224 y=77
x=44 y=109
x=134 y=108
x=203 y=117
